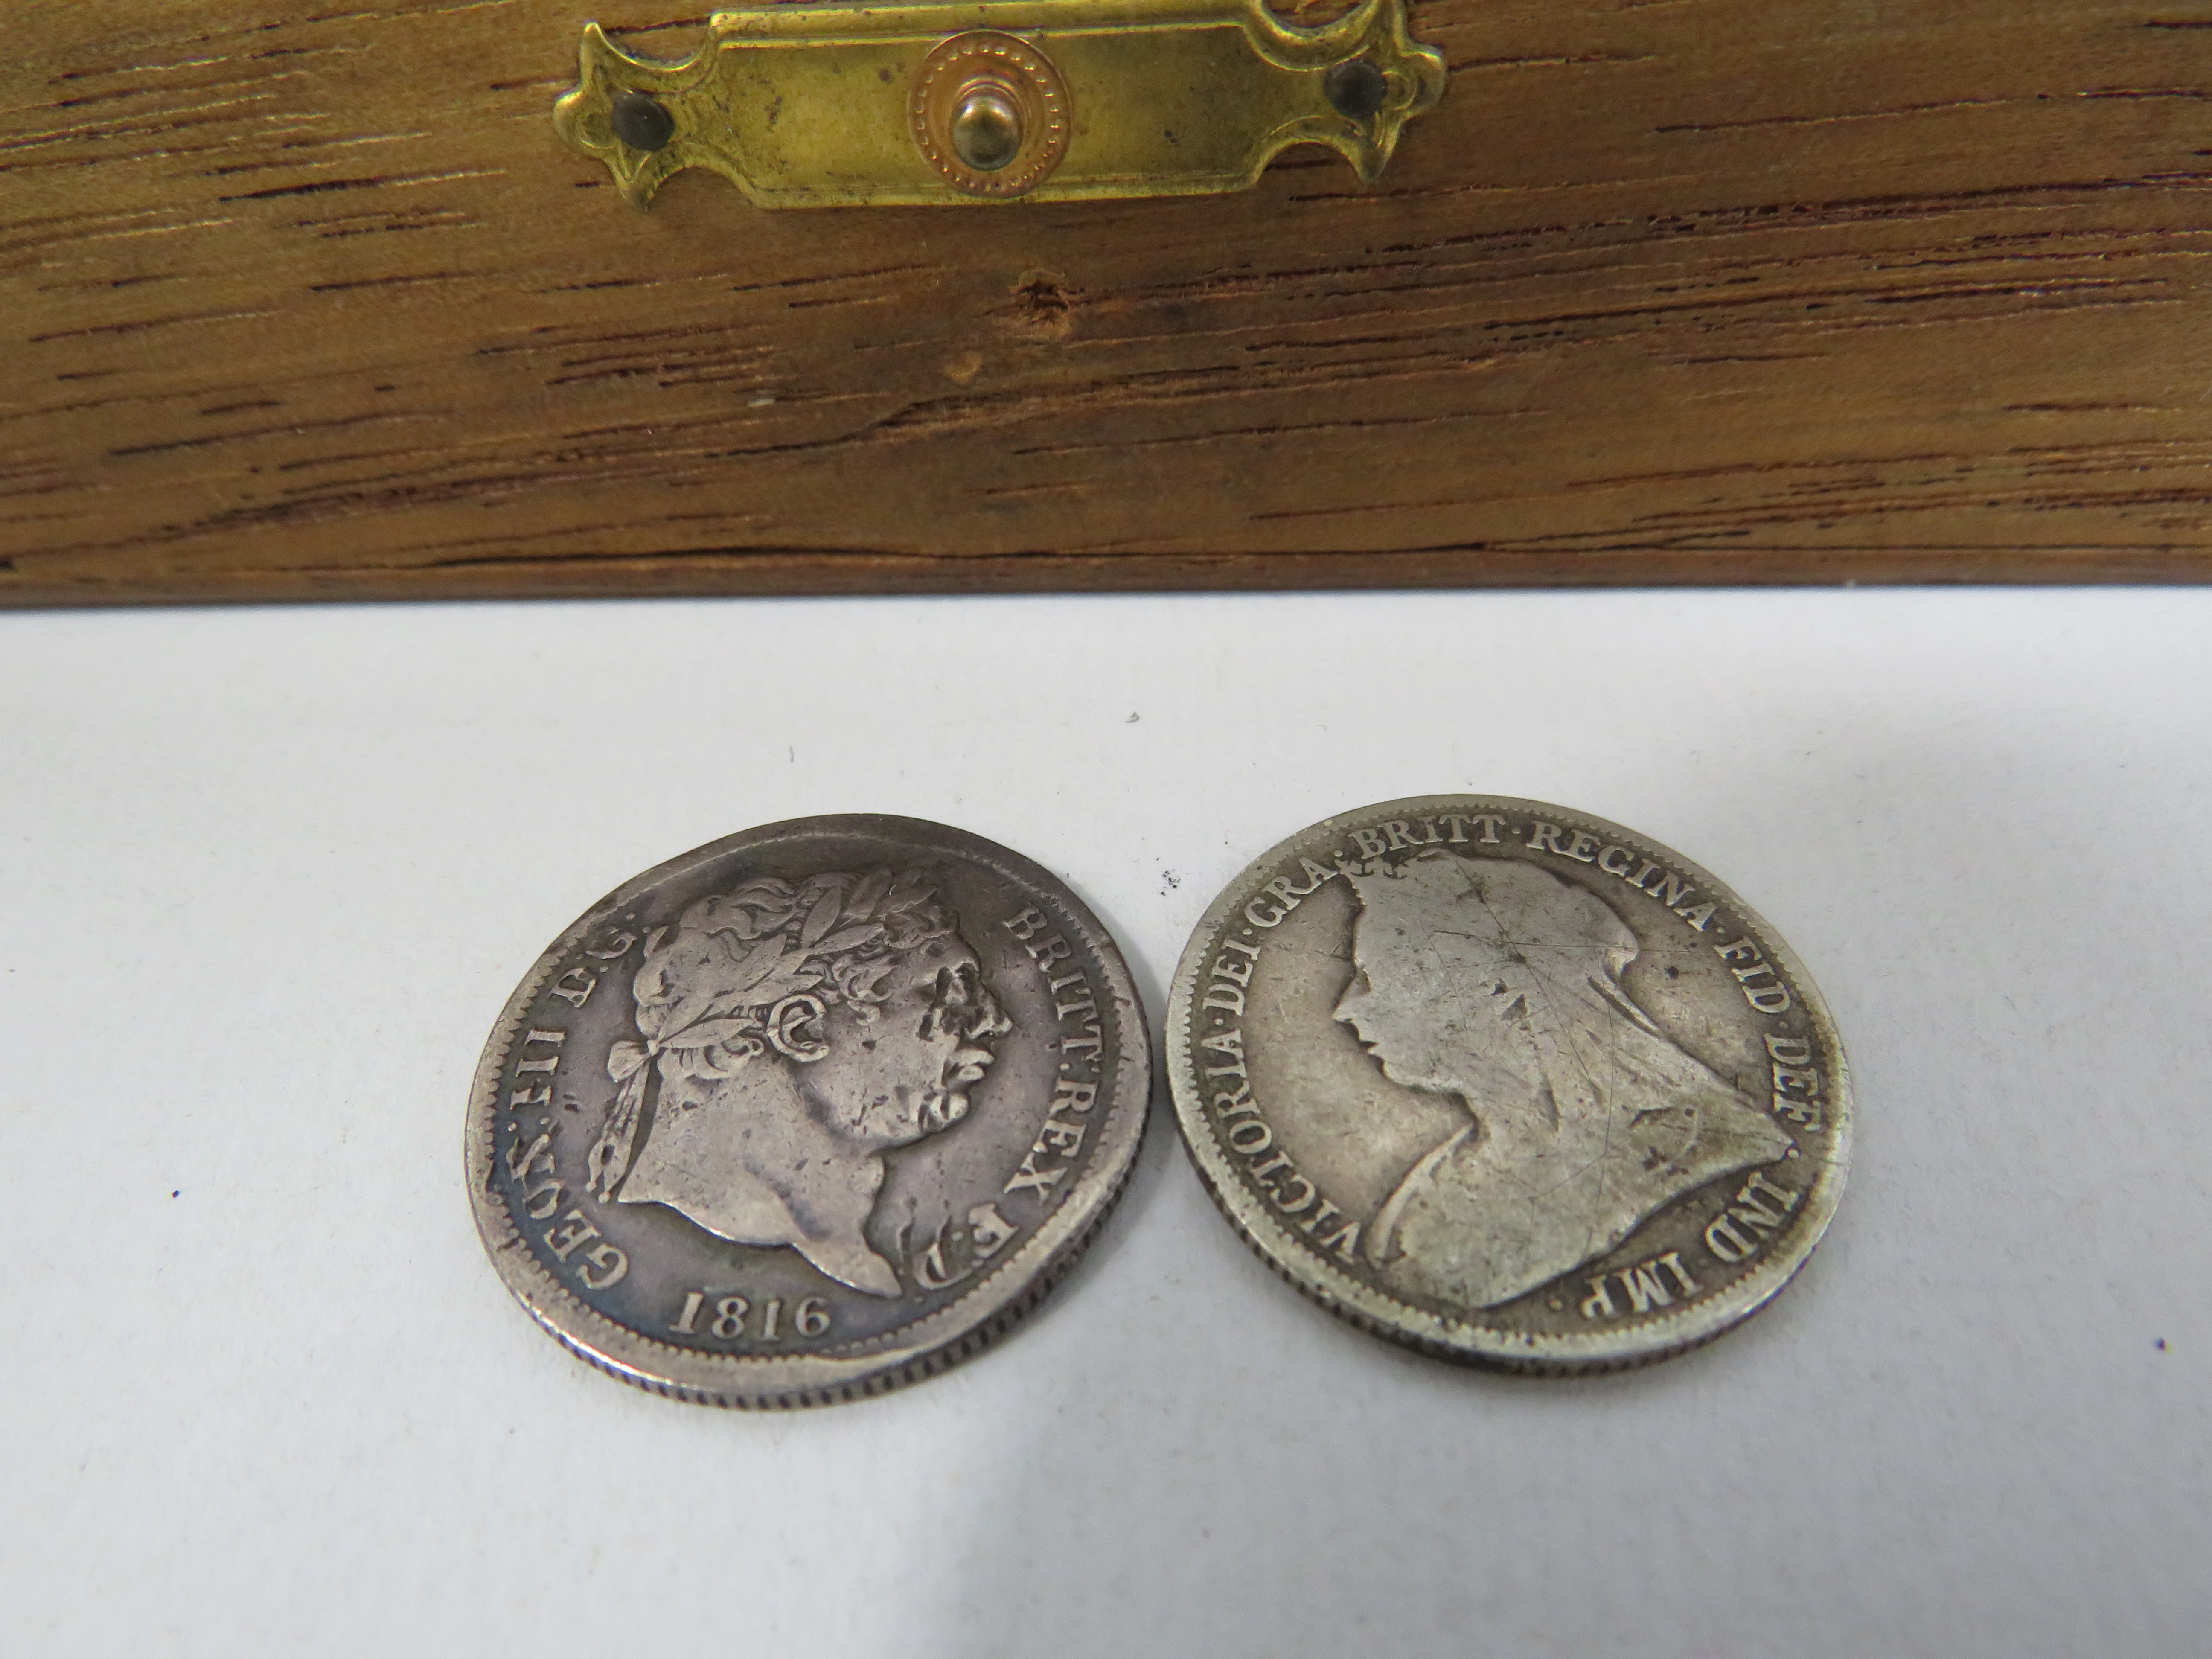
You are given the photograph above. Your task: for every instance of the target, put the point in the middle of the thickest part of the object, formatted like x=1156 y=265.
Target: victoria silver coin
x=1509 y=1083
x=807 y=1113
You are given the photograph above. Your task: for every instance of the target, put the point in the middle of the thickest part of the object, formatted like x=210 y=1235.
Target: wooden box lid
x=305 y=301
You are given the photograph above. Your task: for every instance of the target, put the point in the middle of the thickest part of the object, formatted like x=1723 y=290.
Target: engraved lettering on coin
x=808 y=1112
x=1509 y=1083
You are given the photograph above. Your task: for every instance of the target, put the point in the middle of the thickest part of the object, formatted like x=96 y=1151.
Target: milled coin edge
x=1468 y=1341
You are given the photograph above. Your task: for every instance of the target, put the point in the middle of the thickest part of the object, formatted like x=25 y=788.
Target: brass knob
x=986 y=127
x=989 y=113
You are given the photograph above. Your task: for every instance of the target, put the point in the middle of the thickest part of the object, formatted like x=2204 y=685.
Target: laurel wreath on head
x=710 y=983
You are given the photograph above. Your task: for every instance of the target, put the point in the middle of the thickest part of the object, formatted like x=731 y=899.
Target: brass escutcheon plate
x=846 y=106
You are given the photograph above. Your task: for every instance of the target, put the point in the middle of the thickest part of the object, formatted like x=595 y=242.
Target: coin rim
x=1470 y=1341
x=929 y=1344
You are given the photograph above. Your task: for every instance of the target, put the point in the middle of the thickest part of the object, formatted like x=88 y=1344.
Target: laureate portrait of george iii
x=790 y=1034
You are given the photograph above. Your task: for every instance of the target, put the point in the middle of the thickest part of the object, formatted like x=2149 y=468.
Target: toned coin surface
x=807 y=1113
x=1509 y=1083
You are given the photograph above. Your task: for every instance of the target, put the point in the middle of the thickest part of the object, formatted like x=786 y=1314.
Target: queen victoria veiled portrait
x=1509 y=1083
x=1496 y=985
x=790 y=1034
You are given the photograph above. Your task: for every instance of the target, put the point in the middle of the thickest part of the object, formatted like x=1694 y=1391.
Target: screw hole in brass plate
x=640 y=121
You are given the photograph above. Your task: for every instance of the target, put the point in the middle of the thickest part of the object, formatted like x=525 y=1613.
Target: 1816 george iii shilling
x=809 y=1112
x=1509 y=1083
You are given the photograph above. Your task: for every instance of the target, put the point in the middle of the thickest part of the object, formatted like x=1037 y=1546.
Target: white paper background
x=267 y=877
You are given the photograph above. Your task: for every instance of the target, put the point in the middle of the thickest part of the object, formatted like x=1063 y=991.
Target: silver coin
x=808 y=1113
x=1509 y=1083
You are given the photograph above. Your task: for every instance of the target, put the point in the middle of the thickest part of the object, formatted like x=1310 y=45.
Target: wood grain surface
x=301 y=299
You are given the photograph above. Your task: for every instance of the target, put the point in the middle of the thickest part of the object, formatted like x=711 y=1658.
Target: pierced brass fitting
x=841 y=106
